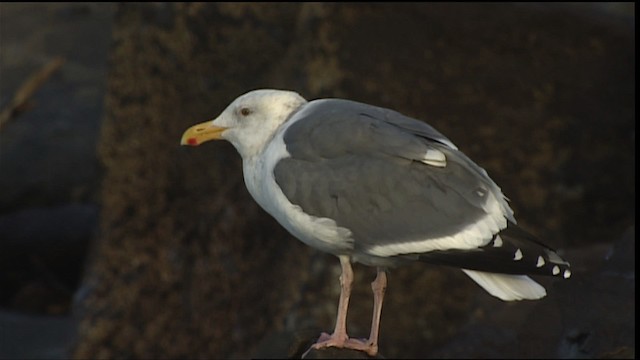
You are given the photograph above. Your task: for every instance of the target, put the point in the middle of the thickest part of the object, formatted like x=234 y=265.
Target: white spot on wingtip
x=540 y=261
x=497 y=242
x=556 y=270
x=567 y=274
x=518 y=255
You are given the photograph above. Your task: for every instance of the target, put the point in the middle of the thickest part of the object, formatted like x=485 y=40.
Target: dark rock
x=590 y=316
x=598 y=310
x=51 y=230
x=42 y=254
x=48 y=154
x=49 y=169
x=35 y=337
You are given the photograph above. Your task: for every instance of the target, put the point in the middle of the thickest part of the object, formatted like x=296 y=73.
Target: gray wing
x=363 y=167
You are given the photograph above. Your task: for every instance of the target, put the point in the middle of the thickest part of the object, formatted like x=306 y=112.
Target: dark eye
x=245 y=111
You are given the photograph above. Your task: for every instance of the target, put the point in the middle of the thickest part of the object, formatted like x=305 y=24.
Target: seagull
x=373 y=186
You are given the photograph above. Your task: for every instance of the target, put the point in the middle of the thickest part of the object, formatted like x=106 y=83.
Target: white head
x=249 y=122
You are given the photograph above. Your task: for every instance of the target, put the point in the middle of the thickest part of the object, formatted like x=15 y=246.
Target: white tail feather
x=508 y=287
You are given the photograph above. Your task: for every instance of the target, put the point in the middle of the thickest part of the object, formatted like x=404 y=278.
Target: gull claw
x=325 y=340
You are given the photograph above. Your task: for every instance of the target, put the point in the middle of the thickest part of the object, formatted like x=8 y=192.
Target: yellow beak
x=200 y=133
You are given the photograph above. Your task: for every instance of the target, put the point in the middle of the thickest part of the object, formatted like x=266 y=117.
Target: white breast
x=318 y=232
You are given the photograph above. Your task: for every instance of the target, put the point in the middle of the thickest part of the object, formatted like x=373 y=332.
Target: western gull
x=373 y=186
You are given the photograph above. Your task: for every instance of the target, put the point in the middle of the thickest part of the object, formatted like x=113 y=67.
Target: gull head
x=249 y=122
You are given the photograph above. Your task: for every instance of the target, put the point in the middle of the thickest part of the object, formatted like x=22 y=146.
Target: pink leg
x=339 y=338
x=379 y=286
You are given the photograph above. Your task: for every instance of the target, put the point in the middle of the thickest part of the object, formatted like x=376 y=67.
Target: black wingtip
x=512 y=251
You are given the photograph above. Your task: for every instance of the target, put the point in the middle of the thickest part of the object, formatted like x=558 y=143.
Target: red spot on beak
x=192 y=141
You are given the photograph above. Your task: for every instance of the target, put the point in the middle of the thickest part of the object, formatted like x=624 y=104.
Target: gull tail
x=508 y=287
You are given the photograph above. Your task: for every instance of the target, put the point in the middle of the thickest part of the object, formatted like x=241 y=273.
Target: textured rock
x=187 y=265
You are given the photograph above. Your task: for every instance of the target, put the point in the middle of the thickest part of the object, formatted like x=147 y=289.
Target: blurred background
x=115 y=242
